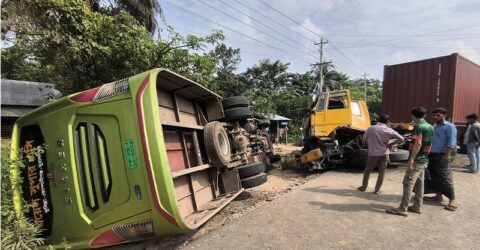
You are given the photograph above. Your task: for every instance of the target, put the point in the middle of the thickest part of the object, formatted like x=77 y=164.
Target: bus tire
x=254 y=181
x=251 y=170
x=235 y=102
x=236 y=114
x=217 y=144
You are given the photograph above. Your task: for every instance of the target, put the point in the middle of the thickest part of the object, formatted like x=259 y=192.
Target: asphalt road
x=329 y=213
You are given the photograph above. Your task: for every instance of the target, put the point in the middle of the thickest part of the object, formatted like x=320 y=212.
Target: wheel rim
x=223 y=143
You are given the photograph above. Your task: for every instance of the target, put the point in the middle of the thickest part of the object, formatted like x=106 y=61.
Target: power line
x=313 y=32
x=283 y=25
x=227 y=28
x=266 y=26
x=272 y=20
x=351 y=60
x=412 y=42
x=422 y=34
x=409 y=47
x=225 y=39
x=289 y=18
x=391 y=35
x=253 y=27
x=242 y=50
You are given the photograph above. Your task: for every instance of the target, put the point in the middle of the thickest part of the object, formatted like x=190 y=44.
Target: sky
x=363 y=35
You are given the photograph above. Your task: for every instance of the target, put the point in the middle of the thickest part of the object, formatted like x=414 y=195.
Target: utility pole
x=365 y=84
x=321 y=63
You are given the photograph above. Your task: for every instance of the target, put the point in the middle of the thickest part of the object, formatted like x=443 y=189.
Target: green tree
x=264 y=82
x=66 y=43
x=144 y=11
x=335 y=80
x=296 y=98
x=227 y=81
x=18 y=232
x=374 y=94
x=274 y=90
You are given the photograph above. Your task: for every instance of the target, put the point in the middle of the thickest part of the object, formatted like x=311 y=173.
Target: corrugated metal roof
x=26 y=93
x=15 y=111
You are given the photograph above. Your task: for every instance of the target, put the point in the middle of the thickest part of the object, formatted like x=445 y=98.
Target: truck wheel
x=235 y=102
x=310 y=144
x=251 y=170
x=217 y=144
x=235 y=114
x=359 y=158
x=399 y=155
x=275 y=158
x=254 y=181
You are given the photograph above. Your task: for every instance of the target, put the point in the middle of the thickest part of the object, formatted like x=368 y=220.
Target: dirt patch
x=286 y=149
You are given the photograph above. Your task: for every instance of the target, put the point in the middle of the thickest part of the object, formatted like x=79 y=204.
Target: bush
x=18 y=232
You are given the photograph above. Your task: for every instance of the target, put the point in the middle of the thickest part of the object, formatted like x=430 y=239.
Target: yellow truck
x=336 y=126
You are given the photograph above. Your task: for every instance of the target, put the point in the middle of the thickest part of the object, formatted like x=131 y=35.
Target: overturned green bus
x=154 y=154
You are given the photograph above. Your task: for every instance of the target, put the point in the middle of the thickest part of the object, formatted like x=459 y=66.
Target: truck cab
x=336 y=125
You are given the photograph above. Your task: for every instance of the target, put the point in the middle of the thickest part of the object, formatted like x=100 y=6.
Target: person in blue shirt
x=443 y=147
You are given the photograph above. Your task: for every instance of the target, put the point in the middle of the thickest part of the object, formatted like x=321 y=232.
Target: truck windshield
x=338 y=100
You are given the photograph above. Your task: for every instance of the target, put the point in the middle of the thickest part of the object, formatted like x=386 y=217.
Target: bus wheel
x=217 y=144
x=238 y=114
x=254 y=181
x=251 y=169
x=235 y=102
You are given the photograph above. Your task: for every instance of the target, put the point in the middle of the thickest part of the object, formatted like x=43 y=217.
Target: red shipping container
x=451 y=82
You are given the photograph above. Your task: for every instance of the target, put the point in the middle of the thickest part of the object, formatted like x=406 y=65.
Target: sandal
x=451 y=207
x=414 y=210
x=434 y=199
x=396 y=211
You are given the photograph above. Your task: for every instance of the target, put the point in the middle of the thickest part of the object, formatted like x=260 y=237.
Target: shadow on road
x=355 y=193
x=372 y=207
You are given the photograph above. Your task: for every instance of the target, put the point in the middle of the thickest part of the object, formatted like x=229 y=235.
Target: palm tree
x=334 y=79
x=145 y=11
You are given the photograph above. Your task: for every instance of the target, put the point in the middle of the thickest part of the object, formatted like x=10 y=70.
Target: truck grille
x=135 y=232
